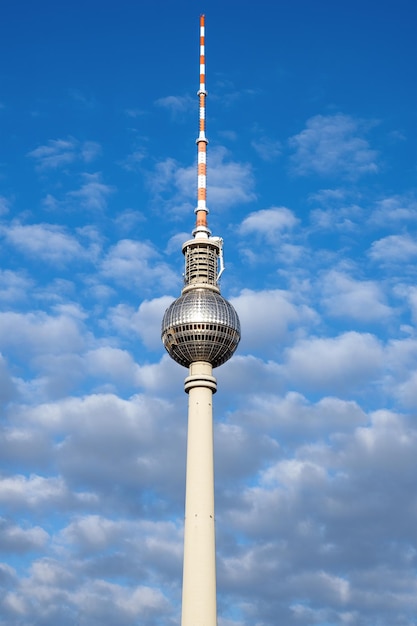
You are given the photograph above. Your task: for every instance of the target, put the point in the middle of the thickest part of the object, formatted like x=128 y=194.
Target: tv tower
x=200 y=330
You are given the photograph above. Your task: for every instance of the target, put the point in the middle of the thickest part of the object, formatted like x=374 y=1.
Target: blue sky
x=311 y=119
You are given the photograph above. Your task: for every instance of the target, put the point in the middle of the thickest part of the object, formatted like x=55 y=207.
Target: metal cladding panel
x=201 y=326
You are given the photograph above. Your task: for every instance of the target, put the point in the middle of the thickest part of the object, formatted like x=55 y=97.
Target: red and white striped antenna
x=201 y=229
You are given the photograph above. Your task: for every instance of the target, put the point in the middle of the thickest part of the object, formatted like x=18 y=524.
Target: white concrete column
x=199 y=574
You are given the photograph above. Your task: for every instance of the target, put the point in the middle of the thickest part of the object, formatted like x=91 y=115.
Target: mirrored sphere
x=200 y=326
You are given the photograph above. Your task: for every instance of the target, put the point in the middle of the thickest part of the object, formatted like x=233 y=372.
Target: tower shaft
x=199 y=573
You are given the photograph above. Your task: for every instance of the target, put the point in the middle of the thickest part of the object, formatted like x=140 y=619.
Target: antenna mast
x=201 y=211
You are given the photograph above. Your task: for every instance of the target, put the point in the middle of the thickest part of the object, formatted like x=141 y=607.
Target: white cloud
x=18 y=540
x=246 y=374
x=33 y=491
x=7 y=384
x=129 y=220
x=337 y=209
x=294 y=416
x=57 y=153
x=135 y=113
x=97 y=601
x=136 y=264
x=401 y=358
x=147 y=320
x=4 y=205
x=82 y=99
x=394 y=248
x=14 y=286
x=57 y=375
x=273 y=232
x=318 y=508
x=93 y=534
x=329 y=196
x=61 y=152
x=175 y=242
x=346 y=219
x=177 y=105
x=411 y=294
x=239 y=453
x=270 y=223
x=338 y=364
x=26 y=446
x=113 y=447
x=293 y=472
x=407 y=391
x=38 y=333
x=162 y=378
x=111 y=364
x=267 y=148
x=89 y=151
x=394 y=209
x=277 y=315
x=48 y=242
x=363 y=301
x=133 y=160
x=332 y=145
x=93 y=194
x=7 y=575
